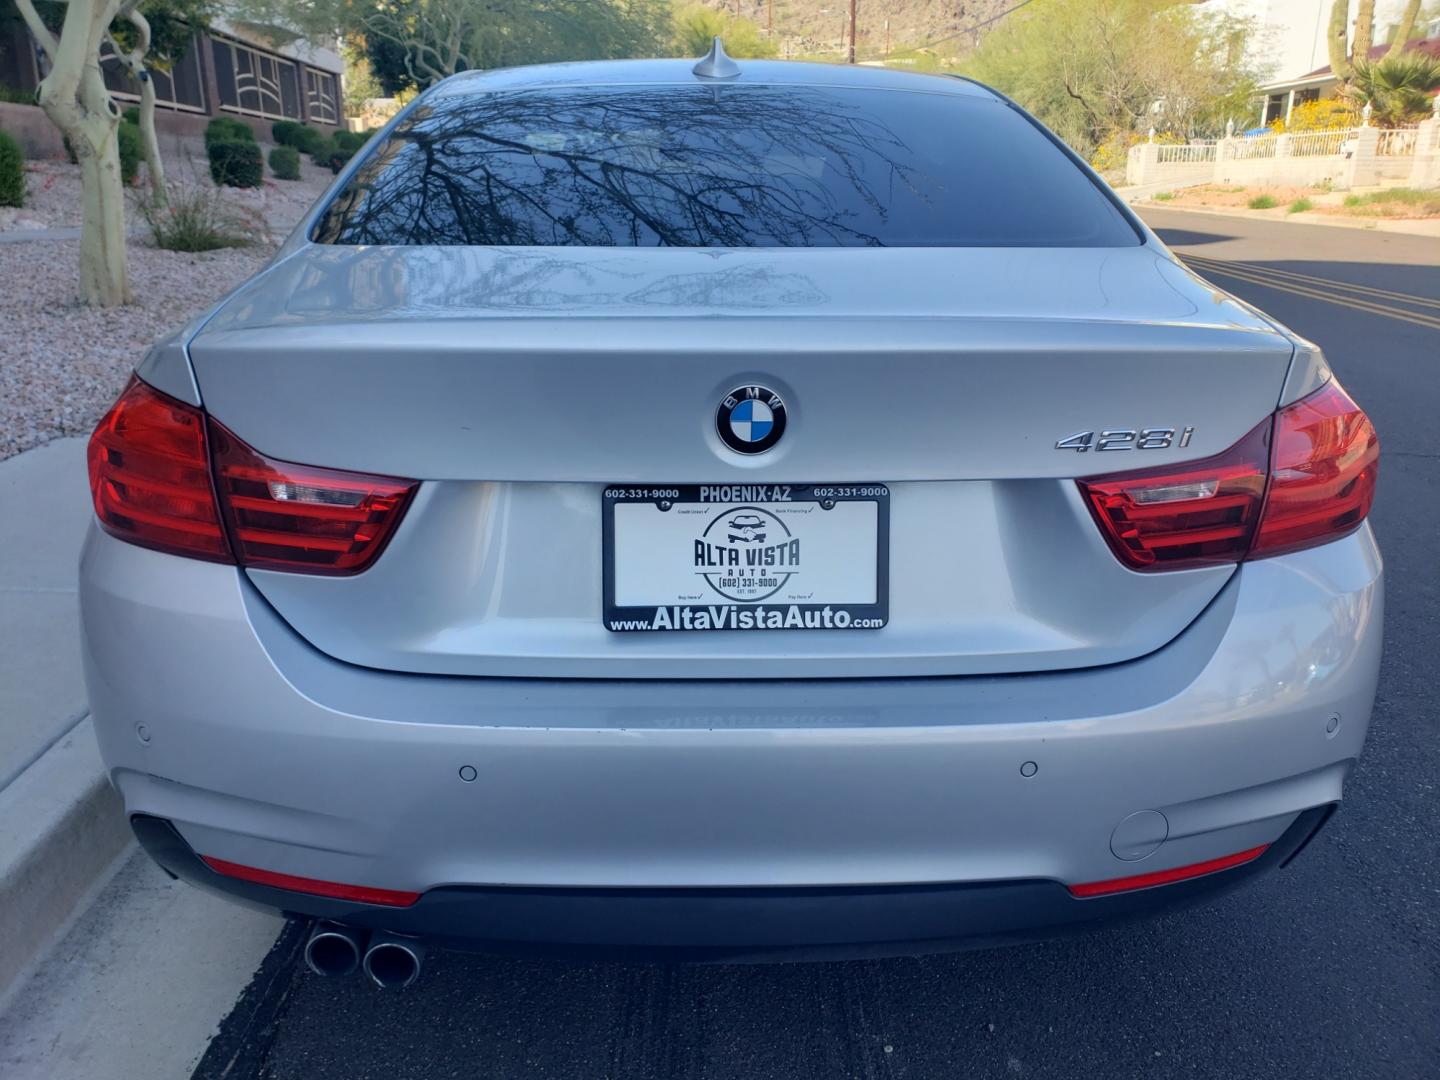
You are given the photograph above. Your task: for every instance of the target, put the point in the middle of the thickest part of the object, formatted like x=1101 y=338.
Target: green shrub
x=129 y=136
x=17 y=97
x=131 y=115
x=335 y=153
x=285 y=132
x=12 y=172
x=304 y=139
x=1263 y=202
x=285 y=163
x=1299 y=206
x=237 y=164
x=348 y=140
x=227 y=129
x=1163 y=196
x=194 y=220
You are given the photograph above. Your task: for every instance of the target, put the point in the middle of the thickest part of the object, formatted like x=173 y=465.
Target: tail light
x=165 y=476
x=1322 y=472
x=150 y=476
x=1303 y=477
x=294 y=517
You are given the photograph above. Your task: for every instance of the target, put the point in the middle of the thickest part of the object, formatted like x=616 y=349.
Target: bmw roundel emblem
x=751 y=419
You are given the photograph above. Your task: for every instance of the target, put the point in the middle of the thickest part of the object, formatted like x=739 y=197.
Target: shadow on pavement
x=1189 y=237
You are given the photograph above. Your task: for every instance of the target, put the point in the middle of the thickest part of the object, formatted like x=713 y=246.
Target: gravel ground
x=62 y=364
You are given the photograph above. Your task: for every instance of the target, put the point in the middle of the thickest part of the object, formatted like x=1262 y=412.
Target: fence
x=1397 y=142
x=1319 y=143
x=1350 y=157
x=1194 y=152
x=1265 y=146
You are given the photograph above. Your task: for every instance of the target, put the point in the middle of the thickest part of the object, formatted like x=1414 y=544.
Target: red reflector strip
x=1166 y=877
x=360 y=893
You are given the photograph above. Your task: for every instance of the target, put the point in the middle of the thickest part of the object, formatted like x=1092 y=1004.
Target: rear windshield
x=723 y=166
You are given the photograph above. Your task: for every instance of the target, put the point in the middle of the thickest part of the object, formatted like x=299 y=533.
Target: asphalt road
x=1328 y=969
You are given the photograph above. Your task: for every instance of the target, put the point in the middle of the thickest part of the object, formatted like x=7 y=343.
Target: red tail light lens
x=1311 y=483
x=300 y=518
x=150 y=476
x=1322 y=473
x=151 y=460
x=1197 y=515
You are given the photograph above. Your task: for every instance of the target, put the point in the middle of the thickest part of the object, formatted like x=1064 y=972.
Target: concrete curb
x=62 y=827
x=1421 y=227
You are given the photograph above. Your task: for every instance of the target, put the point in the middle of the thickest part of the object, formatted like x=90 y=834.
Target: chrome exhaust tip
x=393 y=963
x=334 y=950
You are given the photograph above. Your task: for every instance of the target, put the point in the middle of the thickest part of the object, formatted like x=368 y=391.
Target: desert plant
x=1263 y=202
x=194 y=220
x=227 y=129
x=1397 y=88
x=129 y=136
x=12 y=172
x=1163 y=196
x=237 y=164
x=695 y=26
x=285 y=163
x=1299 y=206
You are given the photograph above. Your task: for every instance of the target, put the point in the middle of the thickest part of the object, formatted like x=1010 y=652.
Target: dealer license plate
x=747 y=557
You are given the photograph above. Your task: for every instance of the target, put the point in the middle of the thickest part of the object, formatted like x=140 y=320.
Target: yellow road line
x=1228 y=270
x=1308 y=279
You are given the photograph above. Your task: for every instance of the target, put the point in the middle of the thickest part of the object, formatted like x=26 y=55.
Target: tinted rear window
x=724 y=166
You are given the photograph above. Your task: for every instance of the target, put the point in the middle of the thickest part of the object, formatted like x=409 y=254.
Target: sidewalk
x=61 y=827
x=1417 y=226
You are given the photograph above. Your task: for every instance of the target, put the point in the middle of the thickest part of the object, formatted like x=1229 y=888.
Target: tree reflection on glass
x=702 y=167
x=732 y=166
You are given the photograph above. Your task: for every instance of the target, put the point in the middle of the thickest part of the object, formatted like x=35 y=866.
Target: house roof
x=1429 y=46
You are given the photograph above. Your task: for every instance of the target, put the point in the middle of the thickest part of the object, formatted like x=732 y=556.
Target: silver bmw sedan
x=722 y=511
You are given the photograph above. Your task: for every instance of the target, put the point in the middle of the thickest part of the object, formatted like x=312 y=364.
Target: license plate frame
x=730 y=599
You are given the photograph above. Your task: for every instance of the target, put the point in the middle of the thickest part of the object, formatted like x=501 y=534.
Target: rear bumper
x=735 y=924
x=214 y=716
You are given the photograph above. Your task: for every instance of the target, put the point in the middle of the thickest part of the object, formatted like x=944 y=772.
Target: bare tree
x=438 y=36
x=74 y=97
x=134 y=61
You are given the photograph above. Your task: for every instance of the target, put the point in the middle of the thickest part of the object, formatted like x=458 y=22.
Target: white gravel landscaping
x=62 y=364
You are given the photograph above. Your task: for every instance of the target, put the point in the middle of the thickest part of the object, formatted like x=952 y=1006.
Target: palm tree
x=1398 y=89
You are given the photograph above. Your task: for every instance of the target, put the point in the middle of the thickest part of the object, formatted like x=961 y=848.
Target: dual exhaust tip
x=389 y=961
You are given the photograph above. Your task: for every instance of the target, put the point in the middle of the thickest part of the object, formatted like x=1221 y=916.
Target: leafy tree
x=1397 y=88
x=1091 y=68
x=696 y=26
x=437 y=38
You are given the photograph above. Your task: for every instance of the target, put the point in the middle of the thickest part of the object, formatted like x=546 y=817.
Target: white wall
x=1293 y=42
